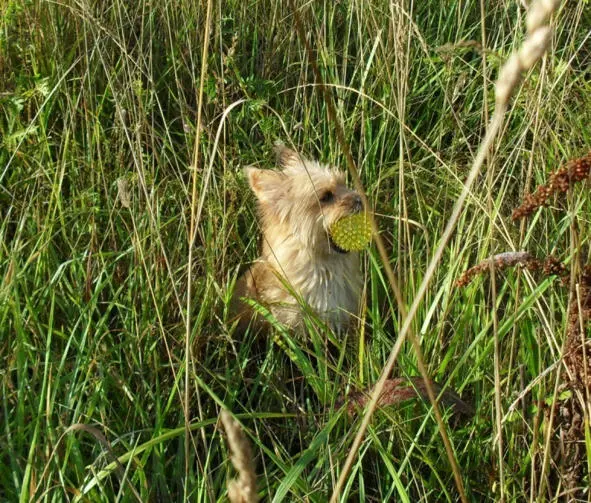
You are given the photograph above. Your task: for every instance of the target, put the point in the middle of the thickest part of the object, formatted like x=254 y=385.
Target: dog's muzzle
x=335 y=247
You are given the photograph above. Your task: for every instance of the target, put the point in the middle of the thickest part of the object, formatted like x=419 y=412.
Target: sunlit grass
x=102 y=98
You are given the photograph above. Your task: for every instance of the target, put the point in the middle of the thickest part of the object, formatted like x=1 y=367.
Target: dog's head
x=302 y=201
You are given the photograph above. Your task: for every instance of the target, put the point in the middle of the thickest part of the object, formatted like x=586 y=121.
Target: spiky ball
x=352 y=233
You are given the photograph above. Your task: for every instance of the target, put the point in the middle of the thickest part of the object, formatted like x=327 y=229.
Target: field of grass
x=125 y=220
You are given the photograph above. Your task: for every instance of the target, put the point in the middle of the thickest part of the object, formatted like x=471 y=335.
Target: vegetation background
x=98 y=123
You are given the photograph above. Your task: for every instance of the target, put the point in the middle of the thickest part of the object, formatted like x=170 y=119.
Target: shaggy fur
x=300 y=265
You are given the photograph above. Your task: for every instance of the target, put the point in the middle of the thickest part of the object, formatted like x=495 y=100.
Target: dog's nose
x=357 y=203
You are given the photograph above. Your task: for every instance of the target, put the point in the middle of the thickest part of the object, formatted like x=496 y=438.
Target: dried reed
x=549 y=266
x=401 y=389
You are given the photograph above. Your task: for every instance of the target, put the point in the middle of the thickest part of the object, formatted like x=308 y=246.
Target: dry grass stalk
x=560 y=181
x=532 y=49
x=243 y=489
x=549 y=266
x=124 y=193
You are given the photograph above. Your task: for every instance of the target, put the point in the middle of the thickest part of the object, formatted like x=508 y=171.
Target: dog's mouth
x=335 y=247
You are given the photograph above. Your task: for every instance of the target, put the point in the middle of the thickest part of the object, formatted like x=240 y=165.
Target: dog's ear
x=286 y=157
x=268 y=186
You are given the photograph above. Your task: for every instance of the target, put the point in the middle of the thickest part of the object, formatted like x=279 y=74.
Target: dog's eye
x=327 y=197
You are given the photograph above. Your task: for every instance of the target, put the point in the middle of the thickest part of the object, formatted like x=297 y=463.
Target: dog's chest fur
x=330 y=286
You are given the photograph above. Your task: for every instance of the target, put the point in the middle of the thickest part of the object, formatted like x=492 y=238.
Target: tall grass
x=98 y=126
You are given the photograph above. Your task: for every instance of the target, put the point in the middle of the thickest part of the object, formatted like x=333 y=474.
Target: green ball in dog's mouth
x=352 y=233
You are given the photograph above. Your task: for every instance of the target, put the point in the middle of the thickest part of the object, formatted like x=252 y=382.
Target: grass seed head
x=559 y=182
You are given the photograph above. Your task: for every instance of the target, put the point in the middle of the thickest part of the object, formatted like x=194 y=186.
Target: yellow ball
x=352 y=233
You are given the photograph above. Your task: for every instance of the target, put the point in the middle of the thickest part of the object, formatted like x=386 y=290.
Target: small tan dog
x=300 y=265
